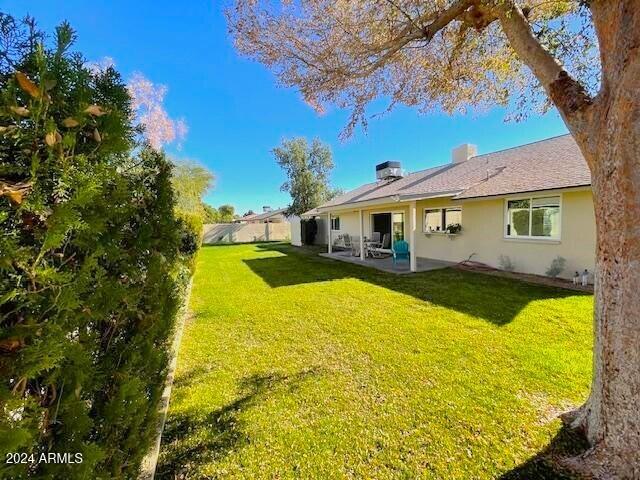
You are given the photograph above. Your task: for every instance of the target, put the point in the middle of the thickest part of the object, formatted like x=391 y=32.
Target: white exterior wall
x=245 y=232
x=483 y=224
x=296 y=237
x=350 y=219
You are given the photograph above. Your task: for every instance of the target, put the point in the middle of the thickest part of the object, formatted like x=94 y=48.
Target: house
x=528 y=204
x=268 y=215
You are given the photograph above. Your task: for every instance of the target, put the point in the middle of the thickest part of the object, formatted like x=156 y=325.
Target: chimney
x=463 y=153
x=266 y=209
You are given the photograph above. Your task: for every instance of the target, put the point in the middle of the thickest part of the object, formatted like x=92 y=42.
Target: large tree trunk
x=611 y=416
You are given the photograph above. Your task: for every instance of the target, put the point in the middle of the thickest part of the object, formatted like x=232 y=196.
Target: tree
x=148 y=102
x=227 y=213
x=91 y=266
x=581 y=56
x=307 y=168
x=191 y=182
x=211 y=214
x=157 y=127
x=250 y=212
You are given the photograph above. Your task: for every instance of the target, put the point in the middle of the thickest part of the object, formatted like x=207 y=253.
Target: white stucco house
x=530 y=203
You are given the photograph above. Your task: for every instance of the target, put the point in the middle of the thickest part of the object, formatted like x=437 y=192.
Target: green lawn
x=295 y=366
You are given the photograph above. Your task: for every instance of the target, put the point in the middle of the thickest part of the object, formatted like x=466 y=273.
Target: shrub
x=90 y=265
x=506 y=264
x=190 y=226
x=556 y=267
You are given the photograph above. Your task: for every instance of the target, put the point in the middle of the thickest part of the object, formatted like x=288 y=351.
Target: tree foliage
x=191 y=182
x=90 y=264
x=307 y=168
x=429 y=54
x=226 y=213
x=211 y=214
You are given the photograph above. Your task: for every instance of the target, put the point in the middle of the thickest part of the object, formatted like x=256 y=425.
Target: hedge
x=93 y=263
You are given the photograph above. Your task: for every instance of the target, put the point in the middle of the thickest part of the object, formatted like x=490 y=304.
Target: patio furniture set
x=374 y=247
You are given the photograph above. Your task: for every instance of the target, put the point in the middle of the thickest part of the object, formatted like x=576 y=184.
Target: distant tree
x=307 y=168
x=211 y=214
x=250 y=212
x=148 y=102
x=227 y=213
x=191 y=182
x=157 y=127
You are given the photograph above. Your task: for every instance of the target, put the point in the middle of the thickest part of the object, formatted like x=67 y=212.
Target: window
x=438 y=219
x=335 y=223
x=533 y=217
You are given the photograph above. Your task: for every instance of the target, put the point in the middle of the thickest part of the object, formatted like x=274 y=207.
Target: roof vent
x=389 y=171
x=463 y=153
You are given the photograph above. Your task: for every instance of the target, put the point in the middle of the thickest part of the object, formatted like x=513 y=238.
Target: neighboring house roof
x=266 y=215
x=544 y=165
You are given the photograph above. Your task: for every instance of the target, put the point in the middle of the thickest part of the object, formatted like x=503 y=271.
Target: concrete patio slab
x=386 y=264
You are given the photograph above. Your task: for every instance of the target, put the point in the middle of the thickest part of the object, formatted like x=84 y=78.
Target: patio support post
x=329 y=233
x=412 y=237
x=361 y=236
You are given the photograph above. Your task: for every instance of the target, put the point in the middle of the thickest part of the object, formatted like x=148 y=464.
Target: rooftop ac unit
x=389 y=170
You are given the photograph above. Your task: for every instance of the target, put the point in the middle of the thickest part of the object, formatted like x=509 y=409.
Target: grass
x=295 y=366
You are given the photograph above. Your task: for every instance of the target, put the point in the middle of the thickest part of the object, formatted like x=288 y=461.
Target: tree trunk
x=611 y=416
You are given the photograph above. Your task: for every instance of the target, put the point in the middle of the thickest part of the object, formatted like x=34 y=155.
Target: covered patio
x=386 y=264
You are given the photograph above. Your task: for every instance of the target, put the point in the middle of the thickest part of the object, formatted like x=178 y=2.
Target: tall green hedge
x=91 y=267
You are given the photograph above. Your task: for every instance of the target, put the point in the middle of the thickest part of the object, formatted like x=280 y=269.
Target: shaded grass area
x=299 y=366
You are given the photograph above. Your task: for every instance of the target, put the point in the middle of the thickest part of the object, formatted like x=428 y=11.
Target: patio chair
x=386 y=241
x=400 y=251
x=343 y=242
x=383 y=251
x=375 y=237
x=347 y=241
x=355 y=246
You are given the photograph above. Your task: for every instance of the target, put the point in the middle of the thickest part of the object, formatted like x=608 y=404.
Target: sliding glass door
x=397 y=226
x=389 y=223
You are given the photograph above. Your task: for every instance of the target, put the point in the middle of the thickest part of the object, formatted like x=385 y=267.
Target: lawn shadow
x=494 y=299
x=545 y=464
x=192 y=376
x=190 y=440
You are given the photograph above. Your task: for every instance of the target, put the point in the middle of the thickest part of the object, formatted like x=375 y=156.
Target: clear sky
x=237 y=113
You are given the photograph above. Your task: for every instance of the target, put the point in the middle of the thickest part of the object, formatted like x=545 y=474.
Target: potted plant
x=453 y=229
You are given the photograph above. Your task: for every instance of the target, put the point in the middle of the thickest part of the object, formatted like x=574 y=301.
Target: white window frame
x=532 y=237
x=441 y=232
x=333 y=219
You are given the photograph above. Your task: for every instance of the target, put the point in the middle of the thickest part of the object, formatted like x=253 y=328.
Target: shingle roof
x=548 y=164
x=265 y=215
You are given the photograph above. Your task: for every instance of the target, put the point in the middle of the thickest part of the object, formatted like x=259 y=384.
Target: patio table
x=368 y=245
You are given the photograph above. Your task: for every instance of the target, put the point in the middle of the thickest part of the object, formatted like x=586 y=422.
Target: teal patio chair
x=400 y=251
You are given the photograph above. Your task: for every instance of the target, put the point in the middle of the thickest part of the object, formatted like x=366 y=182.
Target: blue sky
x=237 y=113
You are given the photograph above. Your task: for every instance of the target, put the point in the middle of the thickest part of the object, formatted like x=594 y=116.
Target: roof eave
x=570 y=188
x=383 y=200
